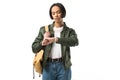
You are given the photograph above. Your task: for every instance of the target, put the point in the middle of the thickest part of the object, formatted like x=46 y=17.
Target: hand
x=46 y=34
x=45 y=42
x=50 y=40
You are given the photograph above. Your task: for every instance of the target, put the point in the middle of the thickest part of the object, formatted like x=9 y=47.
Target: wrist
x=55 y=39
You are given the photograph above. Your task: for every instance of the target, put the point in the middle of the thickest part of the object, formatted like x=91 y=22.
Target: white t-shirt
x=56 y=48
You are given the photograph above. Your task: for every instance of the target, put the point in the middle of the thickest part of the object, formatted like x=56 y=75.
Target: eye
x=58 y=12
x=53 y=13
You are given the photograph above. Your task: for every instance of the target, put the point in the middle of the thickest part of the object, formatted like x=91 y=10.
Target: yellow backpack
x=38 y=58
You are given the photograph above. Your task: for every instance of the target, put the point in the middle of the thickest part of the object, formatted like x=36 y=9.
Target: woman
x=56 y=43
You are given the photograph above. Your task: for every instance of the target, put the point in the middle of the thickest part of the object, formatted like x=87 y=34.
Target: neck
x=58 y=24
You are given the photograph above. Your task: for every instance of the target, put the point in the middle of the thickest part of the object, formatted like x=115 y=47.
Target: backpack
x=37 y=66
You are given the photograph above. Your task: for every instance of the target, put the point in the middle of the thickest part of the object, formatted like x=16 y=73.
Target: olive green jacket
x=68 y=38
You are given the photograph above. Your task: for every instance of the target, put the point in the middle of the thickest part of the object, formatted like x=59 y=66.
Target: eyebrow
x=56 y=11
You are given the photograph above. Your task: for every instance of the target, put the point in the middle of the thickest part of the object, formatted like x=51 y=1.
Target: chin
x=58 y=21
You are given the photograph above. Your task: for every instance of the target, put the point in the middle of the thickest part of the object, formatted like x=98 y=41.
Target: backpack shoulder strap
x=46 y=28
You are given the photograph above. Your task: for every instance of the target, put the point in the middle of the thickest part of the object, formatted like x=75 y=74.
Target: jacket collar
x=52 y=25
x=51 y=29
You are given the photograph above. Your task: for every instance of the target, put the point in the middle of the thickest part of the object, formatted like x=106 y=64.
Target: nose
x=56 y=14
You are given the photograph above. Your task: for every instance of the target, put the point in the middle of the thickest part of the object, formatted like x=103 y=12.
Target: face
x=56 y=14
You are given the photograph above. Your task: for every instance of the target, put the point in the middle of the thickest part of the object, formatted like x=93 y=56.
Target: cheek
x=60 y=15
x=53 y=16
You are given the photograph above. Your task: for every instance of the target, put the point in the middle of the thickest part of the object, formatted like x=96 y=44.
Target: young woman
x=56 y=43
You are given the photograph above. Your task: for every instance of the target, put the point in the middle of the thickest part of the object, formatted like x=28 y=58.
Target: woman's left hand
x=50 y=40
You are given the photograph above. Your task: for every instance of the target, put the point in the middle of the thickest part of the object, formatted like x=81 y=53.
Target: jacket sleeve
x=37 y=44
x=70 y=40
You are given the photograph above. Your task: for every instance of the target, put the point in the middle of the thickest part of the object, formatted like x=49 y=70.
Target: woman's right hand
x=45 y=42
x=46 y=34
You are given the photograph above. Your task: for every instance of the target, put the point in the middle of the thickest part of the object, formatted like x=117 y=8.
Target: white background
x=97 y=23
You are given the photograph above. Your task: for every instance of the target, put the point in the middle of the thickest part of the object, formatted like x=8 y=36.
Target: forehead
x=55 y=8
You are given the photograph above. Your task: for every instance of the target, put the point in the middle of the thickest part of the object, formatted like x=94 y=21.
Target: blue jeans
x=56 y=71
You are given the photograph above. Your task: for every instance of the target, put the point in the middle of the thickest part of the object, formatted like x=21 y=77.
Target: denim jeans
x=56 y=71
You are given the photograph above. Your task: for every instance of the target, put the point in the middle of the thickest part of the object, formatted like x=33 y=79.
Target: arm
x=70 y=40
x=37 y=44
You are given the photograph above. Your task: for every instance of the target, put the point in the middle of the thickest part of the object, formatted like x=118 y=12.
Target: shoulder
x=42 y=28
x=70 y=29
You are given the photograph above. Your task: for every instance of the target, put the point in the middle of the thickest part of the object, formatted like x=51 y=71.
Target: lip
x=56 y=18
